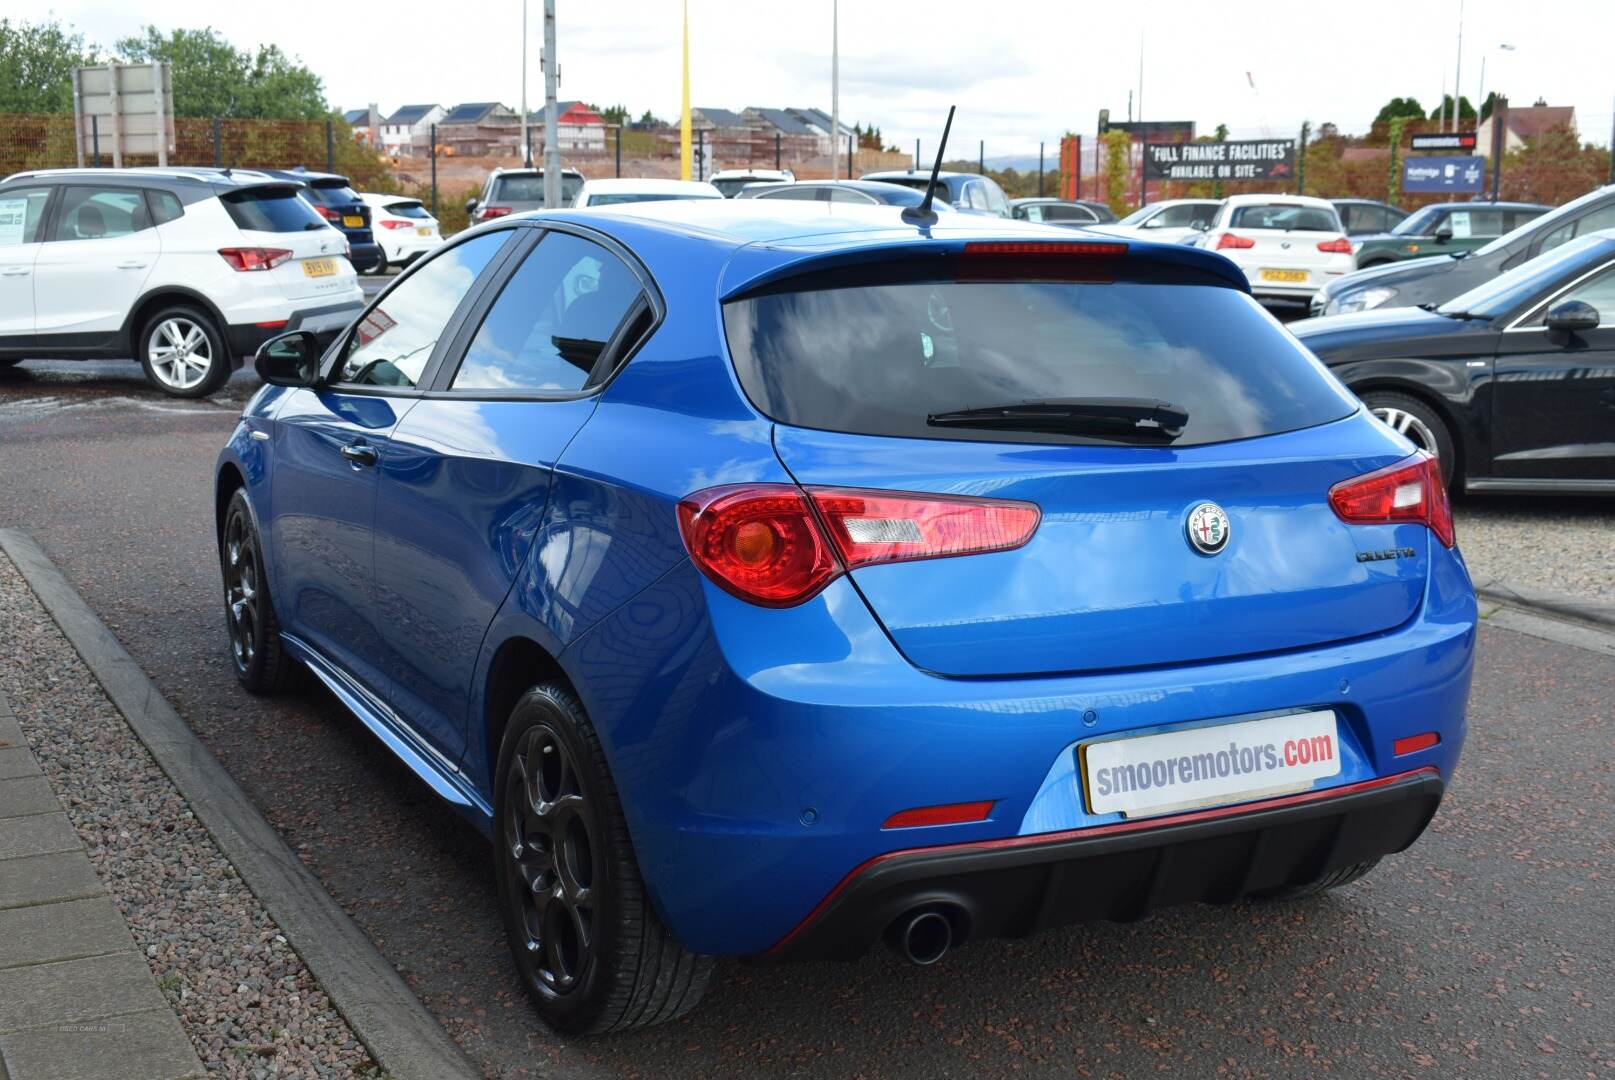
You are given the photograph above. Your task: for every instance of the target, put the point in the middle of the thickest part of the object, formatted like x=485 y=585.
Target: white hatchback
x=404 y=229
x=1289 y=246
x=188 y=271
x=644 y=189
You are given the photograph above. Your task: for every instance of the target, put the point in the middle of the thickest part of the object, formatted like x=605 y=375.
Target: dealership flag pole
x=684 y=112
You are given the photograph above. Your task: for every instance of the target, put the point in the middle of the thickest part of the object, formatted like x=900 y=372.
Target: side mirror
x=1572 y=317
x=471 y=206
x=1443 y=234
x=289 y=360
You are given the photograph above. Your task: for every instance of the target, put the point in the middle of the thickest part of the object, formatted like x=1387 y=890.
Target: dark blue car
x=770 y=581
x=335 y=200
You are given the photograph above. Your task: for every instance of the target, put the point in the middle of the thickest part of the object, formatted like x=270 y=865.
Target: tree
x=1466 y=111
x=214 y=78
x=1118 y=168
x=1398 y=106
x=615 y=114
x=36 y=66
x=1393 y=177
x=1554 y=167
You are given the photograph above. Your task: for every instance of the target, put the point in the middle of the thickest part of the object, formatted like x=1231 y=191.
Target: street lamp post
x=835 y=88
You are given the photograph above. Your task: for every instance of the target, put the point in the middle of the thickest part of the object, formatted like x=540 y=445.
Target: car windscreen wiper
x=1096 y=415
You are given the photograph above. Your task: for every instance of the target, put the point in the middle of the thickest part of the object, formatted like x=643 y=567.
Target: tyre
x=1332 y=880
x=590 y=950
x=381 y=263
x=260 y=661
x=1421 y=424
x=9 y=362
x=183 y=353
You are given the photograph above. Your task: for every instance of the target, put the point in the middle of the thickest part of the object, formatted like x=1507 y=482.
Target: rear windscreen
x=1286 y=216
x=880 y=359
x=271 y=210
x=333 y=194
x=408 y=209
x=530 y=188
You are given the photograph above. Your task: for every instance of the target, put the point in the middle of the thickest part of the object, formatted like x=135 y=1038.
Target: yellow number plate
x=423 y=230
x=353 y=221
x=1284 y=275
x=319 y=267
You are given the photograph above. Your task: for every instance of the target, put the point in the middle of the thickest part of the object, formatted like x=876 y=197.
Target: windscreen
x=1508 y=291
x=1286 y=216
x=529 y=187
x=1418 y=223
x=271 y=210
x=880 y=359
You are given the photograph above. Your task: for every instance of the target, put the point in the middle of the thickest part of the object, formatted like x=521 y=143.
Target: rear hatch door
x=275 y=217
x=1285 y=234
x=1111 y=578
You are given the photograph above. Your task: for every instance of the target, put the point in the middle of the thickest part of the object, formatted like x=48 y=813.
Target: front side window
x=1602 y=218
x=1181 y=217
x=22 y=212
x=392 y=342
x=848 y=195
x=1597 y=291
x=1032 y=213
x=553 y=319
x=90 y=213
x=976 y=195
x=798 y=192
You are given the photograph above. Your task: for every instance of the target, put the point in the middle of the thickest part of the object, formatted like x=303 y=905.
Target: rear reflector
x=254 y=258
x=1229 y=240
x=778 y=545
x=1047 y=248
x=272 y=324
x=952 y=814
x=1414 y=743
x=1338 y=246
x=1409 y=491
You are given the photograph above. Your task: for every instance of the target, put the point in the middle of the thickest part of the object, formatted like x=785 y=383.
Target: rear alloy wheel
x=1418 y=423
x=381 y=263
x=183 y=353
x=591 y=952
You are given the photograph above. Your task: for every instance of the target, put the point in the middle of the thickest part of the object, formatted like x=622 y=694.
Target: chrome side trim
x=424 y=760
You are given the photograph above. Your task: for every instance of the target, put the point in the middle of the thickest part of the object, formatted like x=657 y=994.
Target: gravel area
x=1555 y=545
x=249 y=1005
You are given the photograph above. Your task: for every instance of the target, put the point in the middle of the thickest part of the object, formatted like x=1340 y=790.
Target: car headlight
x=1361 y=300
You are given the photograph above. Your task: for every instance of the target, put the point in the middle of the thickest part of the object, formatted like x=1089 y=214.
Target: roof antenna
x=923 y=212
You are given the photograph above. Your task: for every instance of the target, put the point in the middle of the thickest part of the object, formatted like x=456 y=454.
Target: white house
x=409 y=129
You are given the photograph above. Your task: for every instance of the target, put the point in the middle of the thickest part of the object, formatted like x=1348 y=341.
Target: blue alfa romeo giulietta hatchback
x=771 y=578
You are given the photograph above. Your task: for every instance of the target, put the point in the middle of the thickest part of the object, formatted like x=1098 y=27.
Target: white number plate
x=1192 y=768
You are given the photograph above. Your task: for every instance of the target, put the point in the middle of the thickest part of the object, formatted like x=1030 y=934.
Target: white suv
x=187 y=270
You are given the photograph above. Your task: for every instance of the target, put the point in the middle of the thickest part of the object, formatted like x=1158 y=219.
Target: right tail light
x=1410 y=491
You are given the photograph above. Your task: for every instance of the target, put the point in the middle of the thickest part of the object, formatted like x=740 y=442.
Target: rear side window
x=22 y=210
x=90 y=213
x=165 y=206
x=1285 y=216
x=552 y=321
x=880 y=359
x=271 y=210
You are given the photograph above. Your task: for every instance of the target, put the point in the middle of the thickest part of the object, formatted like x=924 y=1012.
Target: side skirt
x=438 y=772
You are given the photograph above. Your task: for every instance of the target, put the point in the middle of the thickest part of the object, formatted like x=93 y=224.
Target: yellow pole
x=684 y=115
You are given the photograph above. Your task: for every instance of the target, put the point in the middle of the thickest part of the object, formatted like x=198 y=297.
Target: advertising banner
x=1435 y=173
x=1254 y=159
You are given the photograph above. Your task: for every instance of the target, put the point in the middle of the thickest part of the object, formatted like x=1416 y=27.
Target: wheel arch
x=229 y=481
x=163 y=295
x=518 y=664
x=1435 y=402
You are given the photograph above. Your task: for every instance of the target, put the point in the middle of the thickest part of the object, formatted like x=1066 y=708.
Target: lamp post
x=527 y=147
x=835 y=88
x=1480 y=95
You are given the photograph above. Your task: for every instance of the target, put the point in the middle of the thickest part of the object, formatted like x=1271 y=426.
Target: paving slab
x=17 y=761
x=22 y=796
x=71 y=991
x=142 y=1046
x=52 y=932
x=39 y=834
x=47 y=879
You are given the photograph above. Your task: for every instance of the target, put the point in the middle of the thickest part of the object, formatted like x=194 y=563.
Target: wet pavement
x=1484 y=951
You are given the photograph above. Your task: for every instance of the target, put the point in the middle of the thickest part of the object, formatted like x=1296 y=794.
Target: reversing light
x=778 y=545
x=1410 y=491
x=951 y=814
x=1414 y=743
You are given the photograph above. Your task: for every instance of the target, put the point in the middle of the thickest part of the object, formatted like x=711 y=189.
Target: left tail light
x=393 y=223
x=255 y=258
x=1409 y=491
x=1338 y=246
x=326 y=212
x=1230 y=240
x=778 y=545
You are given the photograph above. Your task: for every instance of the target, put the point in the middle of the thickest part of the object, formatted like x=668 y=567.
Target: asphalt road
x=1485 y=951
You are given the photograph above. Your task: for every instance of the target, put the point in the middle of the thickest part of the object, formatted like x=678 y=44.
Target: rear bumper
x=1021 y=885
x=327 y=321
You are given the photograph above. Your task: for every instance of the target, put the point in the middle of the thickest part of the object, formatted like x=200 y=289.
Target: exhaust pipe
x=921 y=937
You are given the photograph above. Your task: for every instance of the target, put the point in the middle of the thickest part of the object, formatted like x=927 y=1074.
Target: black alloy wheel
x=261 y=663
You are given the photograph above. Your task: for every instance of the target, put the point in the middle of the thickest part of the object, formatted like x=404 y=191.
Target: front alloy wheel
x=180 y=354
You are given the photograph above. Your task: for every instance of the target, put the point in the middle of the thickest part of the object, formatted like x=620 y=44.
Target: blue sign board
x=1435 y=173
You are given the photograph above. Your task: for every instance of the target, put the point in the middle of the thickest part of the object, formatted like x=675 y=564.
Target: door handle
x=132 y=264
x=13 y=271
x=360 y=453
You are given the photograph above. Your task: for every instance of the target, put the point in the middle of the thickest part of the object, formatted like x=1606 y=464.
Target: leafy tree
x=1554 y=167
x=36 y=65
x=1393 y=177
x=614 y=114
x=1398 y=106
x=648 y=119
x=1466 y=111
x=214 y=78
x=1118 y=169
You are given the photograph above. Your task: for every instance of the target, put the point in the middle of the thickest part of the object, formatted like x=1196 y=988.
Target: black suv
x=335 y=200
x=1433 y=281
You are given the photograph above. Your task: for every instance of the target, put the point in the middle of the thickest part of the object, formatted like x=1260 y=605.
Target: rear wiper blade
x=1097 y=415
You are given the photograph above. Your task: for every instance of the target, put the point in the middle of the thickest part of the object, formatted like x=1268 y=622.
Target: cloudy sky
x=1020 y=73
